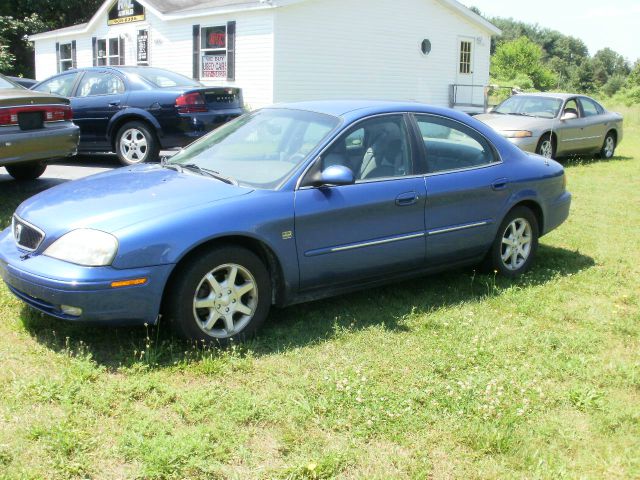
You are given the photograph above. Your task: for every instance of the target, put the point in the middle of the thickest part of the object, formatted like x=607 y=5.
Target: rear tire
x=219 y=296
x=608 y=147
x=26 y=171
x=136 y=143
x=546 y=146
x=515 y=245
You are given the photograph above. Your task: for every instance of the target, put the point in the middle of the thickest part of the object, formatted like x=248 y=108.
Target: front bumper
x=528 y=144
x=46 y=284
x=57 y=140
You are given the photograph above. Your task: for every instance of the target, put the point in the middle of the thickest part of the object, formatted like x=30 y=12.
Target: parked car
x=557 y=124
x=137 y=111
x=23 y=82
x=283 y=205
x=34 y=127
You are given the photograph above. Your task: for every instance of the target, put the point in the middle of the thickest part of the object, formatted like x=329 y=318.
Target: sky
x=613 y=23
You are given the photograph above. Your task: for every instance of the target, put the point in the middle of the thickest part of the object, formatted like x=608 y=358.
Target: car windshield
x=163 y=78
x=7 y=84
x=530 y=106
x=260 y=149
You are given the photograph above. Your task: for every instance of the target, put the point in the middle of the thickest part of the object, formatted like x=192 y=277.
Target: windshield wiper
x=210 y=173
x=522 y=114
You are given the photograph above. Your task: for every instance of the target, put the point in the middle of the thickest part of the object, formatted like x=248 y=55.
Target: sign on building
x=125 y=11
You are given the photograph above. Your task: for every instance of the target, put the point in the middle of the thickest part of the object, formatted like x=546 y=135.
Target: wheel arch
x=260 y=248
x=535 y=207
x=131 y=116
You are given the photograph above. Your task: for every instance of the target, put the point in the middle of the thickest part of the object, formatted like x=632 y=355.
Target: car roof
x=560 y=96
x=342 y=108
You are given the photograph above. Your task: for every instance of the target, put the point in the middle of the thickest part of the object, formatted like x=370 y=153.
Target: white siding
x=171 y=47
x=362 y=49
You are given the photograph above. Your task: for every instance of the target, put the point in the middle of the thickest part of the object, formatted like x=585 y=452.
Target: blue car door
x=99 y=96
x=372 y=228
x=467 y=188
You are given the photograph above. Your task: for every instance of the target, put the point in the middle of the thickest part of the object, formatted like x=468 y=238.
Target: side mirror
x=335 y=175
x=490 y=109
x=568 y=116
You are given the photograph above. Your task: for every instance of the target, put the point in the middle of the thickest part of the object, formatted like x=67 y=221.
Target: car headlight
x=516 y=133
x=91 y=248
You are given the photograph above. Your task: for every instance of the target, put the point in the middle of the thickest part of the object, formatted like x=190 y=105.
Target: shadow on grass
x=299 y=325
x=579 y=160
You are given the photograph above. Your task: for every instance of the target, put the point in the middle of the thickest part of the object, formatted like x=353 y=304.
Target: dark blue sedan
x=283 y=205
x=137 y=111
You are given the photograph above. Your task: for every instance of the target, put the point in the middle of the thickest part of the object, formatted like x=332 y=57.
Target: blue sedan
x=137 y=111
x=283 y=205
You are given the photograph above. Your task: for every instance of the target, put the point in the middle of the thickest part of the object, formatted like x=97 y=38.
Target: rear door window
x=99 y=83
x=452 y=146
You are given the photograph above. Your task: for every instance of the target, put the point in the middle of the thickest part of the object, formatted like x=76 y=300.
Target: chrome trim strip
x=354 y=246
x=13 y=218
x=438 y=231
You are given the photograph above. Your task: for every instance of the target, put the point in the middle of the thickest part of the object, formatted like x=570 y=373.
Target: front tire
x=220 y=296
x=608 y=147
x=546 y=146
x=136 y=143
x=26 y=171
x=515 y=245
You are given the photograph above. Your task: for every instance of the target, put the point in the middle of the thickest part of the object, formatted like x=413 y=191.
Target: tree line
x=531 y=57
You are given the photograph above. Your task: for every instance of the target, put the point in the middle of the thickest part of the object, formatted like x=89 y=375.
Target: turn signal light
x=128 y=283
x=50 y=113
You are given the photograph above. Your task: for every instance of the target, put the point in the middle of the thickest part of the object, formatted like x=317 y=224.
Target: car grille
x=27 y=236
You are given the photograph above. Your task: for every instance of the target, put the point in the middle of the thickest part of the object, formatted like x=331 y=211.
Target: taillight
x=8 y=116
x=191 y=103
x=57 y=113
x=50 y=113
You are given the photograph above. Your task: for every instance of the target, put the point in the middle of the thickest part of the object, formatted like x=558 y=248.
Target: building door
x=466 y=95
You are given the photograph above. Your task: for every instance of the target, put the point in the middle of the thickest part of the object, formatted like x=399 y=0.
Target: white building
x=289 y=50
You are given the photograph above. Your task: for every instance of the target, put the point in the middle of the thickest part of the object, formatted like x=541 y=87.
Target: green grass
x=457 y=375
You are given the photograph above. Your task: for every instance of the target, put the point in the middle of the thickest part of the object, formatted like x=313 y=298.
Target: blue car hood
x=122 y=197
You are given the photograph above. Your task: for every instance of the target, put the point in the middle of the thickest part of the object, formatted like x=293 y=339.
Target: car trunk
x=221 y=98
x=29 y=110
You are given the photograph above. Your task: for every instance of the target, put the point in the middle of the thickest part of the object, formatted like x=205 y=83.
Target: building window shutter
x=121 y=51
x=94 y=47
x=57 y=57
x=196 y=52
x=231 y=50
x=74 y=59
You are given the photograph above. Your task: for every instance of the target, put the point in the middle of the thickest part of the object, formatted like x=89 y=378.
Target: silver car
x=556 y=124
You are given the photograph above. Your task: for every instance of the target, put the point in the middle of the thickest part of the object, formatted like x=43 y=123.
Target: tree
x=27 y=17
x=522 y=57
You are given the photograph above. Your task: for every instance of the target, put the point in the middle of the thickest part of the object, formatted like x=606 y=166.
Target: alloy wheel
x=516 y=244
x=225 y=301
x=134 y=146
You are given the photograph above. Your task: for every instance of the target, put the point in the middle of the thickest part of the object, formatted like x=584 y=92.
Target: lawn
x=458 y=375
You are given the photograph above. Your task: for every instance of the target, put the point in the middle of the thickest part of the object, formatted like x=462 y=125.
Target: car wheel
x=546 y=146
x=27 y=171
x=136 y=143
x=515 y=245
x=219 y=296
x=609 y=146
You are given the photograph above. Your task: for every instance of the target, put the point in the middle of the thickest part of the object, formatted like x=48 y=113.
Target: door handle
x=500 y=184
x=406 y=199
x=114 y=104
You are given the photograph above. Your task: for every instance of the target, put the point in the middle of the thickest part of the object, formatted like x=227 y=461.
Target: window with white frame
x=108 y=51
x=213 y=52
x=66 y=57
